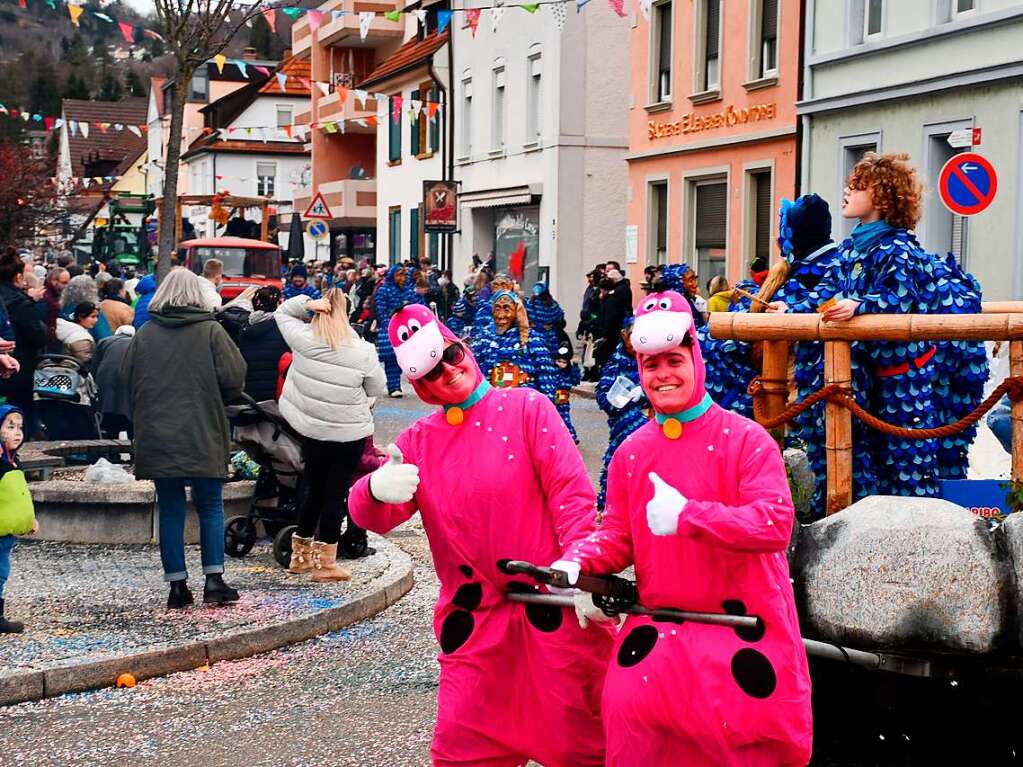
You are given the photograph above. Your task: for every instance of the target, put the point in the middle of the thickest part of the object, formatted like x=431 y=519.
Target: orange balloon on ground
x=126 y=680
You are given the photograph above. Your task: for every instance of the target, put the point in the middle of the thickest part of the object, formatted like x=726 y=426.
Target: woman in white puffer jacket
x=330 y=387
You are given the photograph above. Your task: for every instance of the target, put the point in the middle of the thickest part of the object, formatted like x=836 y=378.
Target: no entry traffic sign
x=967 y=184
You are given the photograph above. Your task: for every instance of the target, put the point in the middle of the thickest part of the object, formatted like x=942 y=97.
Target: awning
x=494 y=198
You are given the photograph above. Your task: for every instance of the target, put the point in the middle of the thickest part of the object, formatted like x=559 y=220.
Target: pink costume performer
x=698 y=500
x=501 y=479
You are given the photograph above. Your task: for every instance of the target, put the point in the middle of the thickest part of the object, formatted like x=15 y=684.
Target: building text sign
x=729 y=117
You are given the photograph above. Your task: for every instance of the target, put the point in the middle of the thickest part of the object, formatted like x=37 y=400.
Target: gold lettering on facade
x=729 y=117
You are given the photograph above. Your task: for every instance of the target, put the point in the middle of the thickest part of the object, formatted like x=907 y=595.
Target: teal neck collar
x=477 y=394
x=690 y=414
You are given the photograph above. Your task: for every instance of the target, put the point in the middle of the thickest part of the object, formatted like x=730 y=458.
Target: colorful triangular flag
x=270 y=15
x=135 y=129
x=128 y=31
x=644 y=6
x=103 y=16
x=558 y=11
x=75 y=11
x=84 y=128
x=242 y=67
x=335 y=15
x=315 y=19
x=262 y=70
x=443 y=19
x=579 y=5
x=392 y=15
x=282 y=81
x=220 y=59
x=324 y=88
x=365 y=19
x=496 y=14
x=420 y=15
x=396 y=102
x=530 y=7
x=472 y=17
x=618 y=6
x=293 y=13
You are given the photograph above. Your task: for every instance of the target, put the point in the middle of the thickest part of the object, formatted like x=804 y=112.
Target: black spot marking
x=466 y=570
x=468 y=596
x=502 y=565
x=737 y=607
x=668 y=619
x=637 y=645
x=546 y=618
x=518 y=587
x=455 y=631
x=753 y=673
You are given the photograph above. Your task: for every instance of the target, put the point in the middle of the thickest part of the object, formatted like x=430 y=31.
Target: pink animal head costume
x=662 y=321
x=419 y=340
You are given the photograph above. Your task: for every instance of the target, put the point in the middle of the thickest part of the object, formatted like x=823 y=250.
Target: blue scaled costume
x=506 y=362
x=887 y=272
x=960 y=367
x=564 y=380
x=463 y=315
x=729 y=363
x=388 y=299
x=545 y=316
x=814 y=277
x=621 y=422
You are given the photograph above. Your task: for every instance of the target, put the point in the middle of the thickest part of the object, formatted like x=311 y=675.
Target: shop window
x=413 y=234
x=711 y=228
x=761 y=214
x=517 y=242
x=764 y=39
x=394 y=235
x=708 y=46
x=393 y=133
x=497 y=118
x=266 y=177
x=534 y=73
x=657 y=225
x=467 y=117
x=284 y=113
x=661 y=41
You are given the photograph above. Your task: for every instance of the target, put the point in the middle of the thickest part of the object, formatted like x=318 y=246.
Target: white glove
x=572 y=568
x=586 y=611
x=394 y=482
x=663 y=510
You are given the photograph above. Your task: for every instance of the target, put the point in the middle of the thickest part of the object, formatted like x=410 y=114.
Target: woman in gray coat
x=181 y=368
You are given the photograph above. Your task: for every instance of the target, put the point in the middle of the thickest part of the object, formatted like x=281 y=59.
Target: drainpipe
x=448 y=144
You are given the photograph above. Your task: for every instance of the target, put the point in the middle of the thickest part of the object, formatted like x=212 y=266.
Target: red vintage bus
x=246 y=262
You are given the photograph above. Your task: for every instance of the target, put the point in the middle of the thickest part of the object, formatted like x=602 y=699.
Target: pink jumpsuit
x=517 y=682
x=692 y=694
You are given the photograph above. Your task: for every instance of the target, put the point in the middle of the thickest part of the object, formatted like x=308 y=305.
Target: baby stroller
x=66 y=395
x=260 y=430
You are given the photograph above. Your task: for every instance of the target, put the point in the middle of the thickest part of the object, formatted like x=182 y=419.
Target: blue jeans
x=1000 y=422
x=208 y=497
x=6 y=544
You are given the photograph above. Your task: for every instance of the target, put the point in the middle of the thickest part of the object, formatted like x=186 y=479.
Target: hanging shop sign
x=440 y=206
x=729 y=117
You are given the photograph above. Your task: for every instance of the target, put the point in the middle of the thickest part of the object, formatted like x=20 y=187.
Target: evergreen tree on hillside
x=44 y=93
x=260 y=37
x=110 y=88
x=75 y=88
x=133 y=83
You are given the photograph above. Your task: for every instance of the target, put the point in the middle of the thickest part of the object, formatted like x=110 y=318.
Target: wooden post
x=264 y=224
x=178 y=226
x=1016 y=369
x=838 y=427
x=775 y=381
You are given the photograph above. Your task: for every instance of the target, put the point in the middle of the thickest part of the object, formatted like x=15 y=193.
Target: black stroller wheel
x=282 y=545
x=239 y=536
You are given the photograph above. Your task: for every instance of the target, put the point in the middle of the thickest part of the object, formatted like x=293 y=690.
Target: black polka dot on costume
x=468 y=596
x=738 y=607
x=546 y=618
x=465 y=570
x=637 y=645
x=518 y=587
x=455 y=631
x=753 y=673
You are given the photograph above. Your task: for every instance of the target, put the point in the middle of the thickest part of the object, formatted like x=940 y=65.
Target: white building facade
x=540 y=138
x=902 y=76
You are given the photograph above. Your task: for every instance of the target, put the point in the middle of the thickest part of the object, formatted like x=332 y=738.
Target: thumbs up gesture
x=395 y=481
x=663 y=510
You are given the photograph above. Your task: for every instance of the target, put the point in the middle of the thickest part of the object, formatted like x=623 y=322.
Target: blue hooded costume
x=621 y=422
x=564 y=379
x=463 y=314
x=387 y=300
x=545 y=315
x=506 y=362
x=729 y=363
x=145 y=289
x=815 y=269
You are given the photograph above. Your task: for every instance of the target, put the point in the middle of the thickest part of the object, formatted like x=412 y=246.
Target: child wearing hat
x=17 y=516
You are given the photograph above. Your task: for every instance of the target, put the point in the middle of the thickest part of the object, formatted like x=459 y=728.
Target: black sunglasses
x=452 y=355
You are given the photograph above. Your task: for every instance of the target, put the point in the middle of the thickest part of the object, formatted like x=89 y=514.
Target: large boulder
x=802 y=480
x=892 y=572
x=1012 y=531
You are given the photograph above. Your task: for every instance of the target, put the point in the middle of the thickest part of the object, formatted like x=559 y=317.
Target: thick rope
x=840 y=395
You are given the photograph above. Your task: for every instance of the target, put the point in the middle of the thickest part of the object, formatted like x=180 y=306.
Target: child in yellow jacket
x=17 y=516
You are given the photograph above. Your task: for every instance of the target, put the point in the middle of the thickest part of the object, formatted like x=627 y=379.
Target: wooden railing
x=777 y=331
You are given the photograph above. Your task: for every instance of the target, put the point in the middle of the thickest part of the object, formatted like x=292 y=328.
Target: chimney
x=287 y=53
x=249 y=54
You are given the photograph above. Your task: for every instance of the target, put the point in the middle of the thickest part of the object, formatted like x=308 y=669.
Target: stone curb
x=375 y=596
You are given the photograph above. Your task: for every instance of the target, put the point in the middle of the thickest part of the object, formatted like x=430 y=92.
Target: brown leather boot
x=325 y=567
x=301 y=555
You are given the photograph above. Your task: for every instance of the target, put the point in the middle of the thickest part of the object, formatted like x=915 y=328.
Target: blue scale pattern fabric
x=729 y=363
x=621 y=423
x=388 y=299
x=491 y=348
x=564 y=380
x=543 y=318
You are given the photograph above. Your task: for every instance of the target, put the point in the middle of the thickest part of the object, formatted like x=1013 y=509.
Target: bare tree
x=195 y=31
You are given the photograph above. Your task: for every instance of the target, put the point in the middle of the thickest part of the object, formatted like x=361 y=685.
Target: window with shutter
x=711 y=233
x=394 y=235
x=434 y=97
x=393 y=133
x=768 y=37
x=658 y=201
x=762 y=213
x=663 y=32
x=712 y=47
x=413 y=234
x=414 y=133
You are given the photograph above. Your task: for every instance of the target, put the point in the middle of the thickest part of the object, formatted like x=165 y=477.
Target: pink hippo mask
x=662 y=321
x=419 y=341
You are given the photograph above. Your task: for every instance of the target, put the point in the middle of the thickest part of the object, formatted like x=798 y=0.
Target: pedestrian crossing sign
x=318 y=208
